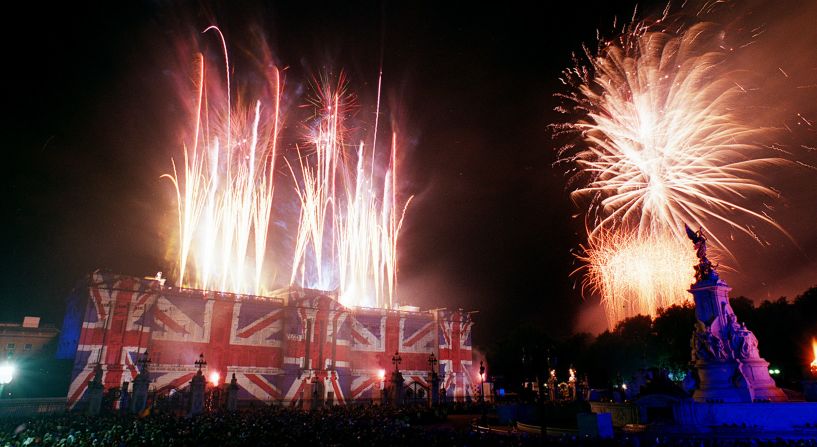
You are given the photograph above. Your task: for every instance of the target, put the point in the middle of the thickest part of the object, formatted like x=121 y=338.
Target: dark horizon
x=96 y=119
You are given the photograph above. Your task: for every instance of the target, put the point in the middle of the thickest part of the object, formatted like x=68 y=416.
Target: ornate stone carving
x=707 y=346
x=724 y=352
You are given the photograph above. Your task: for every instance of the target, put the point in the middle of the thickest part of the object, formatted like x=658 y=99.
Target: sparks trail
x=350 y=220
x=350 y=215
x=225 y=191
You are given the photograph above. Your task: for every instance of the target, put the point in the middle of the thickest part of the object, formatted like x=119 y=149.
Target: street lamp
x=396 y=360
x=200 y=363
x=434 y=380
x=7 y=371
x=482 y=390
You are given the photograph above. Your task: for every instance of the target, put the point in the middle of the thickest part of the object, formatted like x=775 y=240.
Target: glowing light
x=661 y=143
x=813 y=365
x=7 y=371
x=224 y=191
x=381 y=374
x=215 y=378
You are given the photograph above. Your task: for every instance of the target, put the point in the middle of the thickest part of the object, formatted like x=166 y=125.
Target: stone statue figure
x=700 y=349
x=716 y=347
x=704 y=270
x=696 y=345
x=732 y=321
x=744 y=344
x=706 y=345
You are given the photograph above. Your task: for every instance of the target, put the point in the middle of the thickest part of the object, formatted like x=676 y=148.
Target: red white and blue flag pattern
x=283 y=349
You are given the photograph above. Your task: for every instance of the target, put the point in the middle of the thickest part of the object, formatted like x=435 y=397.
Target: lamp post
x=397 y=379
x=197 y=385
x=381 y=377
x=200 y=362
x=481 y=382
x=140 y=384
x=482 y=390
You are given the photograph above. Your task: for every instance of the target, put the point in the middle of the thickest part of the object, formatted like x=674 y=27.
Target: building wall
x=280 y=349
x=18 y=341
x=72 y=322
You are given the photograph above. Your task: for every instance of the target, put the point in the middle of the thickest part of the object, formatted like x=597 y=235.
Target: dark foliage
x=783 y=327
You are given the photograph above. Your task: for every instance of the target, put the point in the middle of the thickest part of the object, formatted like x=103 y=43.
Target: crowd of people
x=358 y=426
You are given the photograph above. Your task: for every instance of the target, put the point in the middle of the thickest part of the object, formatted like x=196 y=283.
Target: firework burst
x=663 y=141
x=637 y=275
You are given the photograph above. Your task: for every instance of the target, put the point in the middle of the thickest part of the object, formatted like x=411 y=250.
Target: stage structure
x=297 y=346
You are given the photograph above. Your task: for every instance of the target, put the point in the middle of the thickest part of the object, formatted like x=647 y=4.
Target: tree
x=673 y=329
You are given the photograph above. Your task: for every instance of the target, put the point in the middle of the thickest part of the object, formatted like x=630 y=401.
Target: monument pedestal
x=197 y=394
x=95 y=391
x=232 y=394
x=396 y=388
x=731 y=374
x=717 y=383
x=763 y=389
x=435 y=389
x=725 y=353
x=140 y=393
x=317 y=392
x=124 y=397
x=810 y=390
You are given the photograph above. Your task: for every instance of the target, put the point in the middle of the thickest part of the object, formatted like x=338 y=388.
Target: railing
x=621 y=413
x=29 y=407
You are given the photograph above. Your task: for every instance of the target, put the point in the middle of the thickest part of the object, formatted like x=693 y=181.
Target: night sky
x=93 y=118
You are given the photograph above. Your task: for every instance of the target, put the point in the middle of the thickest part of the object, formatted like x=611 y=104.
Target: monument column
x=434 y=381
x=124 y=397
x=397 y=381
x=95 y=390
x=232 y=394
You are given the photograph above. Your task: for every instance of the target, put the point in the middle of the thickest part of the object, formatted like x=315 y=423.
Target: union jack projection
x=296 y=346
